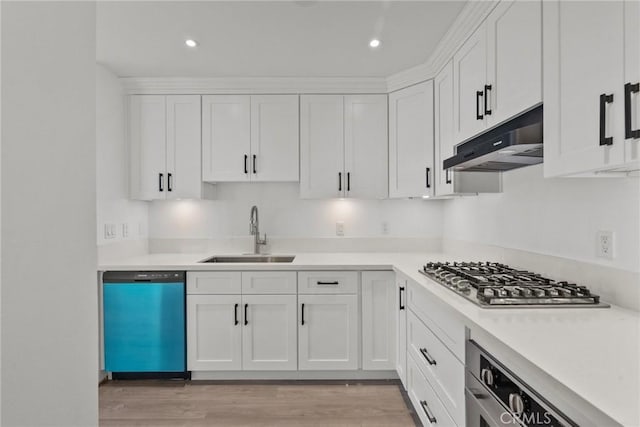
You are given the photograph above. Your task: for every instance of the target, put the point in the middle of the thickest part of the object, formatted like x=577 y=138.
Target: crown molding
x=469 y=19
x=252 y=85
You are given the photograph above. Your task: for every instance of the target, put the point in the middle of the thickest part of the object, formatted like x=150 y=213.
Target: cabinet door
x=214 y=333
x=269 y=335
x=147 y=144
x=401 y=322
x=583 y=60
x=444 y=146
x=184 y=180
x=226 y=137
x=632 y=76
x=514 y=59
x=321 y=146
x=328 y=332
x=378 y=320
x=411 y=141
x=469 y=73
x=366 y=146
x=274 y=138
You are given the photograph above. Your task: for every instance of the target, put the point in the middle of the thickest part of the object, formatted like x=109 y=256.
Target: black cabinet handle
x=628 y=90
x=328 y=283
x=245 y=164
x=447 y=177
x=160 y=181
x=428 y=357
x=246 y=321
x=400 y=291
x=235 y=314
x=479 y=116
x=169 y=182
x=487 y=88
x=604 y=100
x=427 y=411
x=254 y=164
x=427 y=177
x=348 y=181
x=302 y=315
x=339 y=181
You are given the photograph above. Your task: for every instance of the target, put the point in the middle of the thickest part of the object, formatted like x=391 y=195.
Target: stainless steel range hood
x=511 y=145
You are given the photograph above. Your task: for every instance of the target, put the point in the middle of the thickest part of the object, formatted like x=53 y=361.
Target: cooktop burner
x=492 y=285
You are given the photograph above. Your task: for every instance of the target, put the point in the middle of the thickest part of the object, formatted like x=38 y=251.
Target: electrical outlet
x=605 y=244
x=385 y=227
x=339 y=228
x=109 y=231
x=125 y=229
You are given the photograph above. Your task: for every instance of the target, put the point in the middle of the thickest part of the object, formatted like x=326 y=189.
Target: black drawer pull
x=427 y=411
x=628 y=90
x=427 y=356
x=479 y=95
x=401 y=290
x=246 y=321
x=302 y=315
x=604 y=100
x=328 y=283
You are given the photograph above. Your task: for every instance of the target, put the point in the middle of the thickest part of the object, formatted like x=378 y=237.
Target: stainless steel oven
x=497 y=397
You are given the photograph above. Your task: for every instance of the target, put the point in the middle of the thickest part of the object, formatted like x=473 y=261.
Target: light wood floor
x=167 y=403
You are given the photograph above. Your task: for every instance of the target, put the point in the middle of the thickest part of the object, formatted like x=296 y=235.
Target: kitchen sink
x=250 y=258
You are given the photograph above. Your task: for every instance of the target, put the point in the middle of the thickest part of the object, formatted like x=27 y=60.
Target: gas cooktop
x=495 y=285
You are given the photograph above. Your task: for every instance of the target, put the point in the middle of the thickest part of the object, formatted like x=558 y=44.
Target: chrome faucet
x=254 y=229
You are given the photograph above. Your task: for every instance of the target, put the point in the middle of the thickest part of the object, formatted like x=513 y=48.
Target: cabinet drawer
x=214 y=282
x=269 y=282
x=424 y=399
x=444 y=323
x=328 y=282
x=442 y=370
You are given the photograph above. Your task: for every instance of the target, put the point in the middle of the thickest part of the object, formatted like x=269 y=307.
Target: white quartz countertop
x=593 y=352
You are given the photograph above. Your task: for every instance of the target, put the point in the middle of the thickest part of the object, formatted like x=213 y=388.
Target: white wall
x=113 y=204
x=49 y=323
x=558 y=217
x=284 y=214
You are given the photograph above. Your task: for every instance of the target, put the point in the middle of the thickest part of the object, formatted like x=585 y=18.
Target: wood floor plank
x=190 y=404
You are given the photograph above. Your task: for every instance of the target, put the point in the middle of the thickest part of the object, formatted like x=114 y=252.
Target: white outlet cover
x=385 y=227
x=339 y=228
x=605 y=244
x=125 y=230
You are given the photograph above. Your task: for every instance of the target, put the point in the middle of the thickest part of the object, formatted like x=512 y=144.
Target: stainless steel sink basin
x=250 y=258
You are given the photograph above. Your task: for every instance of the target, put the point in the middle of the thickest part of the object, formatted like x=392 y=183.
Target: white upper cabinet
x=226 y=137
x=274 y=138
x=470 y=75
x=366 y=146
x=411 y=165
x=164 y=142
x=498 y=70
x=343 y=145
x=586 y=68
x=514 y=59
x=444 y=146
x=632 y=82
x=250 y=138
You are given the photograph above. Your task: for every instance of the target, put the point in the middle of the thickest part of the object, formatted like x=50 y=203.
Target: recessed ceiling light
x=374 y=43
x=191 y=43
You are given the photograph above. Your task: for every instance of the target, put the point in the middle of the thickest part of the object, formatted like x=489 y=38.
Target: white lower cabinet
x=401 y=322
x=378 y=320
x=214 y=333
x=328 y=332
x=269 y=333
x=424 y=398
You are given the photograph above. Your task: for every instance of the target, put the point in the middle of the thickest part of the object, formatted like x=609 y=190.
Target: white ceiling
x=269 y=38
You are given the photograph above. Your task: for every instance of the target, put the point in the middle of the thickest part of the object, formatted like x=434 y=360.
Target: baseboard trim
x=294 y=375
